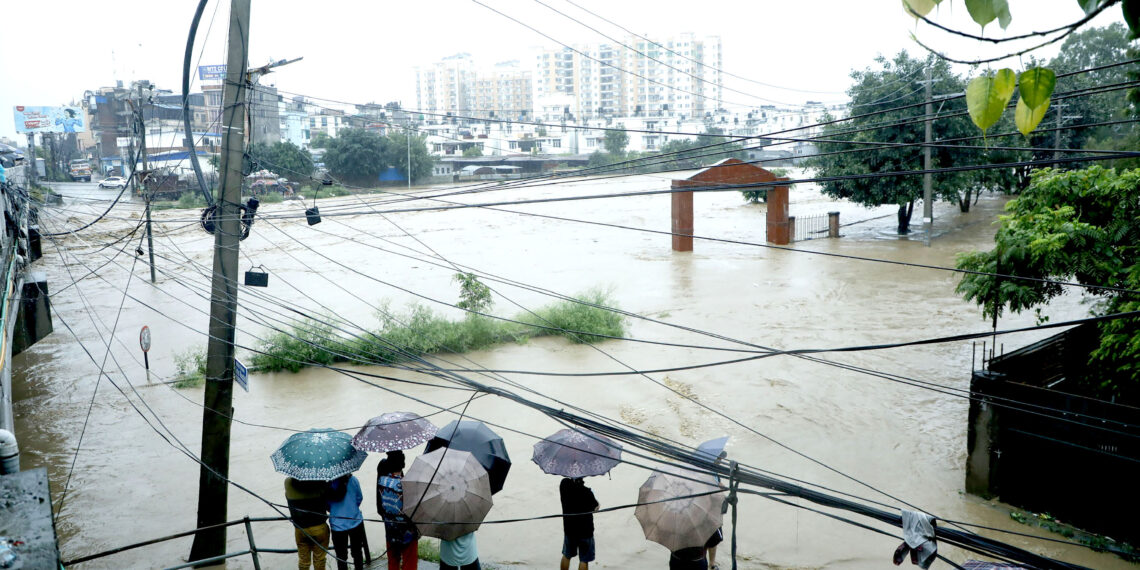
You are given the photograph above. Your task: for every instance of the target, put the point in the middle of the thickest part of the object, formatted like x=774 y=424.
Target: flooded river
x=129 y=484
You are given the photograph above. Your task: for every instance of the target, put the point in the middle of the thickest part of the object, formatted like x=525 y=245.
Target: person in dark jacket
x=578 y=505
x=308 y=510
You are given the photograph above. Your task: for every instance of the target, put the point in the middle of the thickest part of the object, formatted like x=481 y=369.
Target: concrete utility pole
x=146 y=170
x=213 y=488
x=409 y=137
x=31 y=159
x=927 y=179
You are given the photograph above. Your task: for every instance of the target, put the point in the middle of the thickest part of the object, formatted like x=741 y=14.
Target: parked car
x=113 y=182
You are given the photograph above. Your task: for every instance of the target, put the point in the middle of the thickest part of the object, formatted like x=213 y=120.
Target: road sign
x=241 y=375
x=144 y=339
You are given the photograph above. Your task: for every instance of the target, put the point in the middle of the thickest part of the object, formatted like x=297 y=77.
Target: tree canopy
x=282 y=158
x=616 y=141
x=894 y=83
x=356 y=156
x=397 y=155
x=1081 y=225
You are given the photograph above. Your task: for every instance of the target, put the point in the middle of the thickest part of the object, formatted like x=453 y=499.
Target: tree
x=616 y=140
x=282 y=158
x=397 y=155
x=988 y=94
x=895 y=84
x=1086 y=49
x=320 y=139
x=356 y=156
x=1081 y=225
x=473 y=151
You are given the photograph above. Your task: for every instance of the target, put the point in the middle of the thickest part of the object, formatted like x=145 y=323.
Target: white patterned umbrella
x=674 y=522
x=392 y=431
x=447 y=493
x=320 y=454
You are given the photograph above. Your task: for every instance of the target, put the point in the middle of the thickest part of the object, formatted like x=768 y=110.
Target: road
x=87 y=192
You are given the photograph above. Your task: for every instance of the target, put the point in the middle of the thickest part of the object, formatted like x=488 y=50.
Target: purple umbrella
x=577 y=453
x=392 y=431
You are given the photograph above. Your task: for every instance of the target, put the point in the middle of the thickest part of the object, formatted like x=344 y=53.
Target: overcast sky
x=51 y=51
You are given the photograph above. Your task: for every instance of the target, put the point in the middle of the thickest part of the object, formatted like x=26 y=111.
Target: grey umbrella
x=713 y=448
x=447 y=493
x=675 y=522
x=392 y=431
x=577 y=453
x=478 y=440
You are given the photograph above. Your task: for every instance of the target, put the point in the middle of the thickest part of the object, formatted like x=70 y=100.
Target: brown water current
x=129 y=484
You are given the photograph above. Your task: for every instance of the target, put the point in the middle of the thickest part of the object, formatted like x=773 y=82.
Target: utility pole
x=145 y=173
x=927 y=179
x=31 y=159
x=213 y=487
x=409 y=137
x=1057 y=134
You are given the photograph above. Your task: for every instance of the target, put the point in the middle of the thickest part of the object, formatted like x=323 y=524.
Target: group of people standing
x=322 y=510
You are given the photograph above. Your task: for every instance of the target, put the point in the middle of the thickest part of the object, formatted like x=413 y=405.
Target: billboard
x=212 y=72
x=49 y=119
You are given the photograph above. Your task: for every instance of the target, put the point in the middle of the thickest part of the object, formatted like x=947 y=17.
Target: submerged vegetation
x=420 y=331
x=191 y=366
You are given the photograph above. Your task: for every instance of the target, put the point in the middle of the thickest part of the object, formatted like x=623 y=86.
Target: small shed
x=728 y=173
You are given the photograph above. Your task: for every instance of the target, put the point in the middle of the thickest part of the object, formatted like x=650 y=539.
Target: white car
x=113 y=182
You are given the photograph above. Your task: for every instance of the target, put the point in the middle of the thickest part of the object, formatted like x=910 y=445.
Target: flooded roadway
x=130 y=484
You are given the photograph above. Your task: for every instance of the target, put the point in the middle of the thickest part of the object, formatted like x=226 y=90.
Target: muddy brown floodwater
x=130 y=484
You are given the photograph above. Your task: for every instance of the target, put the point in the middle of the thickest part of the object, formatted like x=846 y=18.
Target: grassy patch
x=419 y=331
x=576 y=320
x=191 y=366
x=428 y=549
x=271 y=198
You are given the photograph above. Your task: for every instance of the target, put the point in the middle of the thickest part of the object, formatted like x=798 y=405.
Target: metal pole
x=927 y=180
x=252 y=546
x=409 y=137
x=145 y=190
x=213 y=484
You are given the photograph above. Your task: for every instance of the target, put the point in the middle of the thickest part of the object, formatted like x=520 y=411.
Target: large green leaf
x=987 y=96
x=1132 y=17
x=1036 y=86
x=1088 y=5
x=920 y=7
x=986 y=11
x=1003 y=15
x=1028 y=118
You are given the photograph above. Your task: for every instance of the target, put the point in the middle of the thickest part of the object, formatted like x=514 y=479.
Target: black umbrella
x=478 y=440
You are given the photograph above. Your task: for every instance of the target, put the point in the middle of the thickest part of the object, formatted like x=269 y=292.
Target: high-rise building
x=455 y=85
x=675 y=76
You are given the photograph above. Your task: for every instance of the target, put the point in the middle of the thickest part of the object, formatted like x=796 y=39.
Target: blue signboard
x=212 y=72
x=241 y=375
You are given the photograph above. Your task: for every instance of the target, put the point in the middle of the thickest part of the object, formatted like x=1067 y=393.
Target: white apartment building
x=457 y=86
x=663 y=77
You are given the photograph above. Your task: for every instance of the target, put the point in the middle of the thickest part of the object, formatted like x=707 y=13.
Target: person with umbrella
x=447 y=493
x=310 y=459
x=400 y=534
x=578 y=505
x=574 y=454
x=714 y=449
x=347 y=521
x=308 y=513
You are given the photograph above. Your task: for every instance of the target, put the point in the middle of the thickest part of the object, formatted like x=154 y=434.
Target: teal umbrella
x=320 y=454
